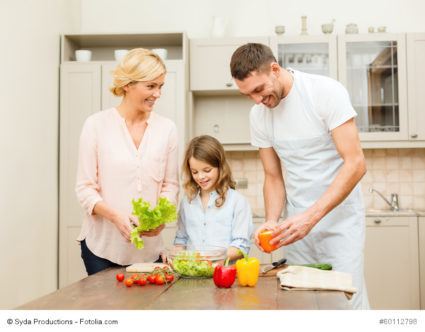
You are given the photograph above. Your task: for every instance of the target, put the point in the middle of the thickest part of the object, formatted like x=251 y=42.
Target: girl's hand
x=153 y=232
x=124 y=223
x=268 y=225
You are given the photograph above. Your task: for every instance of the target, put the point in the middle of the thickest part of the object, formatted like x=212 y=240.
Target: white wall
x=249 y=17
x=29 y=35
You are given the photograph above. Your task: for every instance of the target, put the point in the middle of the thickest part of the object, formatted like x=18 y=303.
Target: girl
x=126 y=152
x=212 y=213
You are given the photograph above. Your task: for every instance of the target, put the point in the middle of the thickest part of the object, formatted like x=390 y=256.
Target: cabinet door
x=80 y=97
x=210 y=62
x=421 y=225
x=373 y=69
x=108 y=99
x=391 y=262
x=416 y=84
x=310 y=54
x=224 y=117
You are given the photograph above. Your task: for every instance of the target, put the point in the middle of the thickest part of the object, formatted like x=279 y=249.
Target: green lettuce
x=163 y=212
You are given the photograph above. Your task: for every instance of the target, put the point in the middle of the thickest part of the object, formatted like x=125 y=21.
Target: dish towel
x=308 y=278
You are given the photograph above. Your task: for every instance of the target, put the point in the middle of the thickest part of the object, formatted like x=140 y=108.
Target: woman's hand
x=124 y=223
x=153 y=232
x=268 y=225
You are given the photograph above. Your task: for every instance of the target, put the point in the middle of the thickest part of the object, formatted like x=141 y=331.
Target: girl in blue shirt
x=212 y=213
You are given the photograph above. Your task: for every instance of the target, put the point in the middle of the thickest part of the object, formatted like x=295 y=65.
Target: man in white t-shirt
x=306 y=122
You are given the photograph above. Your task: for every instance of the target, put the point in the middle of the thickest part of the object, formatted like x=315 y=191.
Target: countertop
x=102 y=291
x=374 y=213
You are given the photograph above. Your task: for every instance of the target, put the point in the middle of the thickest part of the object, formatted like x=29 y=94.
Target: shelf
x=103 y=45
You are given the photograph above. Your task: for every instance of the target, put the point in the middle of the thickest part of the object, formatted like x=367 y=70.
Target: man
x=307 y=122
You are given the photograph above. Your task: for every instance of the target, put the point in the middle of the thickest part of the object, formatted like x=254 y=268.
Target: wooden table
x=102 y=291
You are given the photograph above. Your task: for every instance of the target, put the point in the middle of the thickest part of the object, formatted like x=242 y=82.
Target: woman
x=126 y=152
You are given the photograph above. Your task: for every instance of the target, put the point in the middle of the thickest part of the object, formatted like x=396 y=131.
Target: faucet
x=394 y=199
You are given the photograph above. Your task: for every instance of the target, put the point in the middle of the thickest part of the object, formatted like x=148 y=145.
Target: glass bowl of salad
x=195 y=262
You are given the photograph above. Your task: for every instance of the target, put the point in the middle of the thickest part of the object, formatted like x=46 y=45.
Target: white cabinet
x=416 y=84
x=421 y=226
x=210 y=62
x=392 y=263
x=373 y=69
x=84 y=90
x=310 y=54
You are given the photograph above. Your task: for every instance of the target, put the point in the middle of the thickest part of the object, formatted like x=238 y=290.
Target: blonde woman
x=212 y=213
x=126 y=152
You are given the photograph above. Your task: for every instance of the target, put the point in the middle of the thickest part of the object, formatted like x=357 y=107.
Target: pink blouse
x=112 y=169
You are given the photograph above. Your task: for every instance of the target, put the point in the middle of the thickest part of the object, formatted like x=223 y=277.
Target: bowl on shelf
x=195 y=261
x=119 y=54
x=83 y=55
x=327 y=28
x=279 y=29
x=162 y=52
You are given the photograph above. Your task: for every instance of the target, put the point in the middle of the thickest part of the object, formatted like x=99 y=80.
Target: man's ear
x=275 y=68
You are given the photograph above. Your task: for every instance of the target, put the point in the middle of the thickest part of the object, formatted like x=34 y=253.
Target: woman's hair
x=138 y=65
x=250 y=57
x=209 y=150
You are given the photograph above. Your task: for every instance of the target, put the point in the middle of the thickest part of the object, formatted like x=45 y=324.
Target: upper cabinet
x=210 y=62
x=373 y=69
x=310 y=54
x=416 y=84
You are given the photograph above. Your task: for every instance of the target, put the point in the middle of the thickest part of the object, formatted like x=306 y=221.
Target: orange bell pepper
x=265 y=237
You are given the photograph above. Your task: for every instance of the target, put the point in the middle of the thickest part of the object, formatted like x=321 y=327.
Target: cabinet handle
x=414 y=135
x=377 y=221
x=229 y=84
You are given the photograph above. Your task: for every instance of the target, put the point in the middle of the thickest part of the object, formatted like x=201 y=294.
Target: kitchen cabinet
x=421 y=226
x=373 y=69
x=210 y=62
x=84 y=90
x=310 y=54
x=415 y=85
x=392 y=262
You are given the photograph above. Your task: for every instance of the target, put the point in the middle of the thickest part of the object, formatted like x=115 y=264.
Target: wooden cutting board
x=271 y=273
x=144 y=267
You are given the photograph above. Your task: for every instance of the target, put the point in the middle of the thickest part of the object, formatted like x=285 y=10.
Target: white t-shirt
x=331 y=105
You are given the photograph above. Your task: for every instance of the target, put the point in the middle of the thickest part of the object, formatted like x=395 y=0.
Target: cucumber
x=320 y=266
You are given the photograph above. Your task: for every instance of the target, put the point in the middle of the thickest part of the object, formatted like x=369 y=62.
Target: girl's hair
x=138 y=65
x=209 y=150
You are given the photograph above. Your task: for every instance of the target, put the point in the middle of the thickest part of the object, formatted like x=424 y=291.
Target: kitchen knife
x=274 y=265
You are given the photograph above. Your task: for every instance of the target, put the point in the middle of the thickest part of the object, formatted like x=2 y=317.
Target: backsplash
x=400 y=171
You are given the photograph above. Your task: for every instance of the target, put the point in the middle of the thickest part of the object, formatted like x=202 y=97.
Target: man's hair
x=250 y=57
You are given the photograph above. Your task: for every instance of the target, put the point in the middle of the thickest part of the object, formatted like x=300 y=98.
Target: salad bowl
x=195 y=261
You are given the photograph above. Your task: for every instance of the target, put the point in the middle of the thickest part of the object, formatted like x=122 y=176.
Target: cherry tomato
x=152 y=278
x=160 y=280
x=128 y=282
x=169 y=277
x=157 y=268
x=120 y=276
x=143 y=281
x=135 y=276
x=166 y=268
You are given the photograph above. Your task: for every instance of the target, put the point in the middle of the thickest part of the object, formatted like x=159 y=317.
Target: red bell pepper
x=224 y=275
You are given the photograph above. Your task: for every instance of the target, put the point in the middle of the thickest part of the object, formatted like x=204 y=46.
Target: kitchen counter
x=102 y=291
x=373 y=213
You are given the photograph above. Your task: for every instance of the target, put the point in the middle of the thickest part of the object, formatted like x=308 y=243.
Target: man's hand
x=292 y=229
x=269 y=225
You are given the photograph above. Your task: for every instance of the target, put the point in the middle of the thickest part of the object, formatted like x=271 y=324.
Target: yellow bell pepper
x=247 y=269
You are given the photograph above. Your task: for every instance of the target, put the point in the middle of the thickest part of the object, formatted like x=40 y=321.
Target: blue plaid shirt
x=227 y=226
